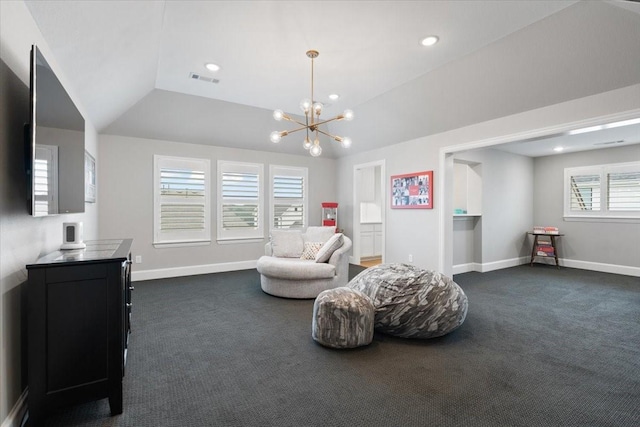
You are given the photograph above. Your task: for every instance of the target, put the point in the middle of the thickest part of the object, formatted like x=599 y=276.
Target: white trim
x=17 y=412
x=181 y=244
x=233 y=241
x=575 y=218
x=465 y=268
x=192 y=270
x=505 y=263
x=445 y=233
x=625 y=270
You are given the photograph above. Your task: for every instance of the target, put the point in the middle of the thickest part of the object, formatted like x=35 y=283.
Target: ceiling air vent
x=620 y=141
x=196 y=76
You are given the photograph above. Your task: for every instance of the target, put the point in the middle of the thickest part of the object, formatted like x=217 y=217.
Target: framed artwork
x=412 y=191
x=89 y=178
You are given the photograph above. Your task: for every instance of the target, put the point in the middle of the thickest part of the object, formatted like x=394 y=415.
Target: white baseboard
x=599 y=266
x=17 y=412
x=571 y=263
x=465 y=268
x=505 y=263
x=163 y=273
x=489 y=266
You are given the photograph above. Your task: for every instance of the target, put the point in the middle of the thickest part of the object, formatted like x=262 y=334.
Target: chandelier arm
x=337 y=138
x=297 y=122
x=328 y=120
x=297 y=129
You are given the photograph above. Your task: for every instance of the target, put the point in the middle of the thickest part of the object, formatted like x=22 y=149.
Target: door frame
x=355 y=258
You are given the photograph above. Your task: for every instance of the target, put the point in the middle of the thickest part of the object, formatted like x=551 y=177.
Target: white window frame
x=302 y=172
x=240 y=235
x=603 y=214
x=177 y=238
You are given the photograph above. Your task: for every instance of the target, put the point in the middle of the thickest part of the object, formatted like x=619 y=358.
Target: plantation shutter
x=624 y=191
x=45 y=184
x=240 y=203
x=288 y=194
x=585 y=192
x=288 y=197
x=41 y=179
x=240 y=192
x=182 y=200
x=182 y=193
x=603 y=191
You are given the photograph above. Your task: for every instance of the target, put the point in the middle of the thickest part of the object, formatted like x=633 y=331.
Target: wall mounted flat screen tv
x=54 y=152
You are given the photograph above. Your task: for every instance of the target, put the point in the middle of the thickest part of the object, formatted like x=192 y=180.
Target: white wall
x=22 y=238
x=597 y=245
x=126 y=197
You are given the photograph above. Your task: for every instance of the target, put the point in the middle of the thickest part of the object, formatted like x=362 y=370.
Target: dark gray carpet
x=540 y=347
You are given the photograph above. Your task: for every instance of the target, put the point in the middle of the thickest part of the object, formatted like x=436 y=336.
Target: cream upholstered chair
x=284 y=273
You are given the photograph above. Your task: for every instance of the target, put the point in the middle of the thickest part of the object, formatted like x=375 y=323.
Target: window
x=288 y=203
x=181 y=201
x=604 y=191
x=240 y=200
x=45 y=180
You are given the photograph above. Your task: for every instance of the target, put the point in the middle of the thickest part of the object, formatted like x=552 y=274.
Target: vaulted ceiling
x=131 y=61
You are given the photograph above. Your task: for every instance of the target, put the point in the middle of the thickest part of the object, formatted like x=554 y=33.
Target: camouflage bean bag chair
x=411 y=302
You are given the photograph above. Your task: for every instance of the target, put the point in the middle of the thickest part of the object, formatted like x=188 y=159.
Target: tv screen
x=55 y=144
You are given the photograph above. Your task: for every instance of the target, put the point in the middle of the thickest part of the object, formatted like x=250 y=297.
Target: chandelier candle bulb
x=312 y=122
x=348 y=115
x=305 y=106
x=307 y=143
x=316 y=150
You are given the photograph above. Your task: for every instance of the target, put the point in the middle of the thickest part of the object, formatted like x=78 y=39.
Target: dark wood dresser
x=79 y=314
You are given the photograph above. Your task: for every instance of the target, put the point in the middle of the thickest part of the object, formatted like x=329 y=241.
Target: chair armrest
x=341 y=252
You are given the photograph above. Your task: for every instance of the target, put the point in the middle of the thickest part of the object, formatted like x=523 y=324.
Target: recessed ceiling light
x=211 y=66
x=334 y=96
x=558 y=149
x=607 y=126
x=429 y=41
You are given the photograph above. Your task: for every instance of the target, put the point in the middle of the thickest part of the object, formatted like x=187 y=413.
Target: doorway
x=369 y=201
x=447 y=156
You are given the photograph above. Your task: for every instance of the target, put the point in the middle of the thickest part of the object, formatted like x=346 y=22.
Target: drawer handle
x=131 y=288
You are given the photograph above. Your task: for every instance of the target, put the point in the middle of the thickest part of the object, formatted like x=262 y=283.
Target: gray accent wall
x=126 y=197
x=585 y=241
x=507 y=209
x=23 y=238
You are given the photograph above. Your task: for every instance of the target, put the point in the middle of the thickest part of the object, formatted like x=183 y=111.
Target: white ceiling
x=606 y=138
x=133 y=58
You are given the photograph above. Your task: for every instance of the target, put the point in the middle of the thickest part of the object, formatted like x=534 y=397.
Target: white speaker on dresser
x=72 y=236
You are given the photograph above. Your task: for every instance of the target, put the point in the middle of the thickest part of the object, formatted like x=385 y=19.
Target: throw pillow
x=286 y=243
x=311 y=250
x=329 y=247
x=319 y=234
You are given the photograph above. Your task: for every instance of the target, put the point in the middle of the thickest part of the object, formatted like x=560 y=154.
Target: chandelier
x=312 y=121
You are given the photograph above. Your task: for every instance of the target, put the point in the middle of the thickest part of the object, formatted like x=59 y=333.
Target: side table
x=534 y=249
